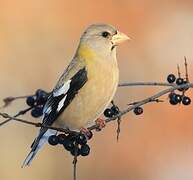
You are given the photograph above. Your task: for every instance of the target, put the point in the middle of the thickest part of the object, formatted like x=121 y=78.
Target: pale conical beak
x=119 y=38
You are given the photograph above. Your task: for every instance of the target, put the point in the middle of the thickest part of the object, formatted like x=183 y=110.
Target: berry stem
x=75 y=161
x=186 y=69
x=179 y=74
x=118 y=123
x=118 y=127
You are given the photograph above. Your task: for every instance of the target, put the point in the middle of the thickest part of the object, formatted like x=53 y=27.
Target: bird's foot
x=86 y=132
x=100 y=124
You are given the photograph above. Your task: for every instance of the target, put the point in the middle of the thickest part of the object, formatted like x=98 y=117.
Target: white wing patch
x=47 y=110
x=63 y=89
x=61 y=103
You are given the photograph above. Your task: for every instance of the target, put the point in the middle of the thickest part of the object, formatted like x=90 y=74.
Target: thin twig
x=151 y=100
x=8 y=100
x=18 y=114
x=126 y=84
x=5 y=115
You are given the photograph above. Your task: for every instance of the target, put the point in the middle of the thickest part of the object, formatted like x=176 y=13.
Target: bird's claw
x=100 y=124
x=86 y=132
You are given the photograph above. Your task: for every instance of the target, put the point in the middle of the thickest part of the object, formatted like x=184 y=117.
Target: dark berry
x=173 y=102
x=81 y=139
x=171 y=78
x=108 y=113
x=37 y=112
x=41 y=100
x=115 y=110
x=178 y=98
x=71 y=137
x=61 y=138
x=41 y=97
x=85 y=150
x=30 y=101
x=40 y=92
x=138 y=110
x=68 y=145
x=53 y=140
x=185 y=88
x=186 y=100
x=172 y=95
x=179 y=81
x=75 y=151
x=173 y=99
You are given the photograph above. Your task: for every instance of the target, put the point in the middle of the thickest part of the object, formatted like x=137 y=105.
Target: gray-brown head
x=102 y=37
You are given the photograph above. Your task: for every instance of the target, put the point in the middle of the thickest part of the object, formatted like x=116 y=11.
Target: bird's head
x=103 y=38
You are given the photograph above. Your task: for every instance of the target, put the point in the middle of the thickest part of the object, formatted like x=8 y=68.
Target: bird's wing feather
x=72 y=80
x=61 y=96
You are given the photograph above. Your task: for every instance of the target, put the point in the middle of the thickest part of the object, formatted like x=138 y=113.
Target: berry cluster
x=75 y=144
x=110 y=112
x=114 y=110
x=179 y=81
x=37 y=102
x=175 y=98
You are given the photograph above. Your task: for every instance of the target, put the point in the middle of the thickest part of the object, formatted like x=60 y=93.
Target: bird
x=86 y=87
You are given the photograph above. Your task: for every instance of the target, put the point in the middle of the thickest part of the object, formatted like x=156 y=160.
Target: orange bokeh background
x=38 y=39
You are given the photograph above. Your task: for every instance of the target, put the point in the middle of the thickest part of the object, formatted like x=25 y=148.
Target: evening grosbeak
x=86 y=87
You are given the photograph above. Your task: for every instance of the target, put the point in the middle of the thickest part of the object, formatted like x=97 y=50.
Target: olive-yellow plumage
x=86 y=87
x=95 y=95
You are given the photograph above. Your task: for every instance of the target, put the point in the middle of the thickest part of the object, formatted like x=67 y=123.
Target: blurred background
x=38 y=39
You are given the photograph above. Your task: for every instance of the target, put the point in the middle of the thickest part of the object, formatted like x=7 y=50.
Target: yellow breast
x=95 y=95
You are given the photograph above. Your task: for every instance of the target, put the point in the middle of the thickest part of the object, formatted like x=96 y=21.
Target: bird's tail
x=37 y=145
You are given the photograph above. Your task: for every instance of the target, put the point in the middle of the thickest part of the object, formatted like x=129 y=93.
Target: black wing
x=59 y=99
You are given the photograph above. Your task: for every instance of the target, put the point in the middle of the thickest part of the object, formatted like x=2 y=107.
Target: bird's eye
x=105 y=34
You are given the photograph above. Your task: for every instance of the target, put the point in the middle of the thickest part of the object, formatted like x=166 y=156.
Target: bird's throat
x=85 y=52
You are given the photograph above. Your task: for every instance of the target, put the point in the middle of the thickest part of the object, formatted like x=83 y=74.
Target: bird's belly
x=91 y=100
